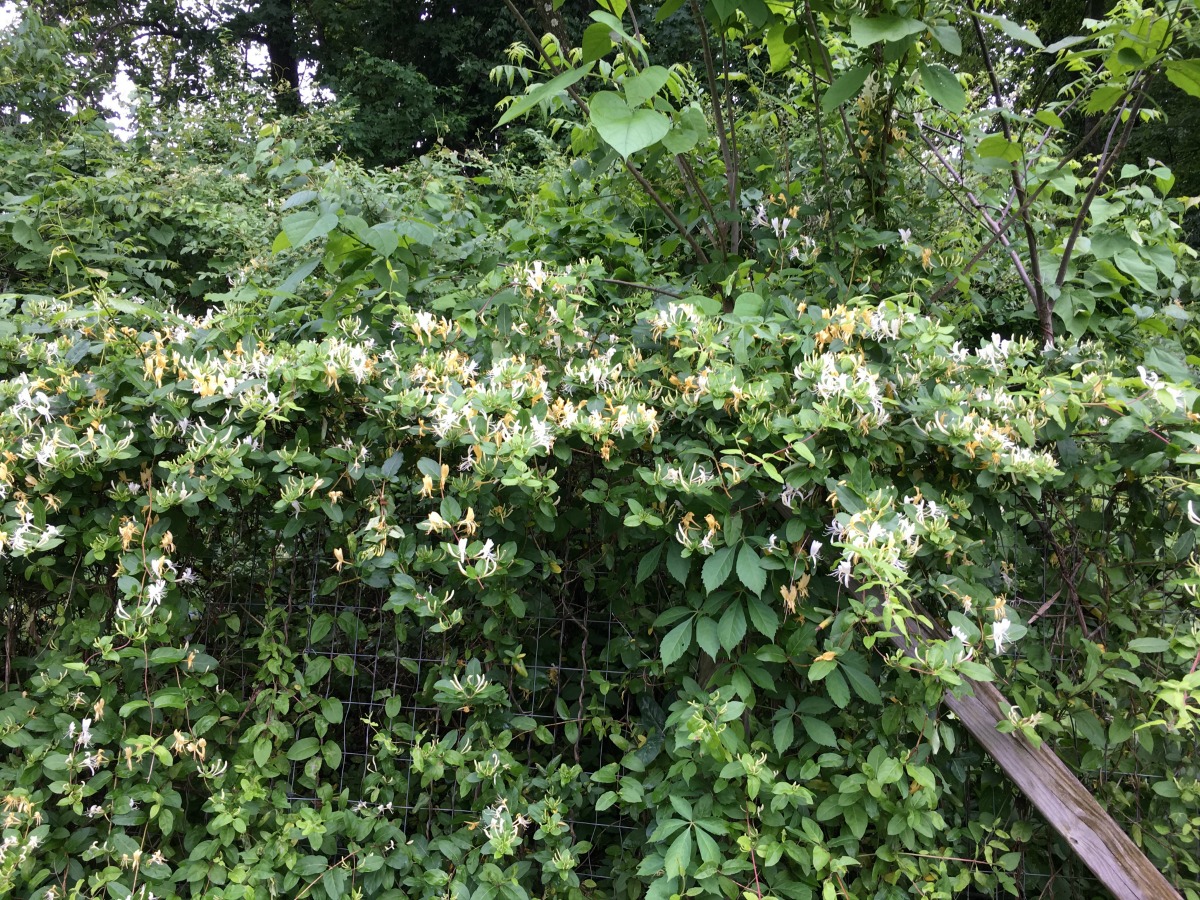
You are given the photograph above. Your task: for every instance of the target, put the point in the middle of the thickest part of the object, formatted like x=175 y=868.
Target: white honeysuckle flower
x=1151 y=379
x=999 y=632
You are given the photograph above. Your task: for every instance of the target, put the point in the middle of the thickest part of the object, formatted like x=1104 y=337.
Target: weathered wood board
x=1063 y=801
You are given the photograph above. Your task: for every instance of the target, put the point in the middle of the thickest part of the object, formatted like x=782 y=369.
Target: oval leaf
x=676 y=642
x=943 y=87
x=750 y=571
x=848 y=84
x=866 y=32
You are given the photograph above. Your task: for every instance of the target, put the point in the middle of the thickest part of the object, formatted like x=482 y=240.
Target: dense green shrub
x=468 y=530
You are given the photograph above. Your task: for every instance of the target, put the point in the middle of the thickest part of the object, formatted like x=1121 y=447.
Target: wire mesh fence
x=382 y=671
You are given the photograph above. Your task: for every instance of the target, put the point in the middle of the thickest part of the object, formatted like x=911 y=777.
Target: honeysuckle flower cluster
x=849 y=388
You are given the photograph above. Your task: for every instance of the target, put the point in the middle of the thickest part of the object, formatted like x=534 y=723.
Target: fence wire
x=381 y=673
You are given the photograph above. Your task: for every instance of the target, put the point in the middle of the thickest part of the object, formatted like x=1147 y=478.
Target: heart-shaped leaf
x=626 y=130
x=644 y=85
x=689 y=129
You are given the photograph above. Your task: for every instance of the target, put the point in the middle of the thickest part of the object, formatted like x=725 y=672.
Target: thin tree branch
x=1030 y=200
x=735 y=227
x=1045 y=311
x=827 y=64
x=1107 y=160
x=643 y=287
x=692 y=184
x=718 y=116
x=993 y=226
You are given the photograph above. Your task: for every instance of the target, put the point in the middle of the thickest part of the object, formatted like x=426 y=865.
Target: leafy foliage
x=739 y=425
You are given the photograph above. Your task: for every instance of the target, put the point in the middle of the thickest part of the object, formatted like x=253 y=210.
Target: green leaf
x=1013 y=30
x=262 y=751
x=1185 y=75
x=710 y=852
x=750 y=571
x=677 y=564
x=332 y=754
x=763 y=617
x=976 y=671
x=821 y=668
x=943 y=87
x=1129 y=57
x=706 y=636
x=784 y=734
x=732 y=627
x=1148 y=645
x=679 y=855
x=866 y=32
x=1129 y=262
x=626 y=130
x=848 y=84
x=597 y=42
x=302 y=227
x=1070 y=41
x=689 y=129
x=304 y=749
x=27 y=235
x=677 y=641
x=1103 y=99
x=717 y=569
x=856 y=819
x=819 y=731
x=997 y=145
x=862 y=684
x=836 y=687
x=669 y=7
x=542 y=92
x=648 y=564
x=947 y=36
x=724 y=9
x=644 y=85
x=779 y=48
x=331 y=710
x=1049 y=118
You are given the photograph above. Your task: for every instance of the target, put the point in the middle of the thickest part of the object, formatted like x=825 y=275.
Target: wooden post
x=1063 y=801
x=1066 y=804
